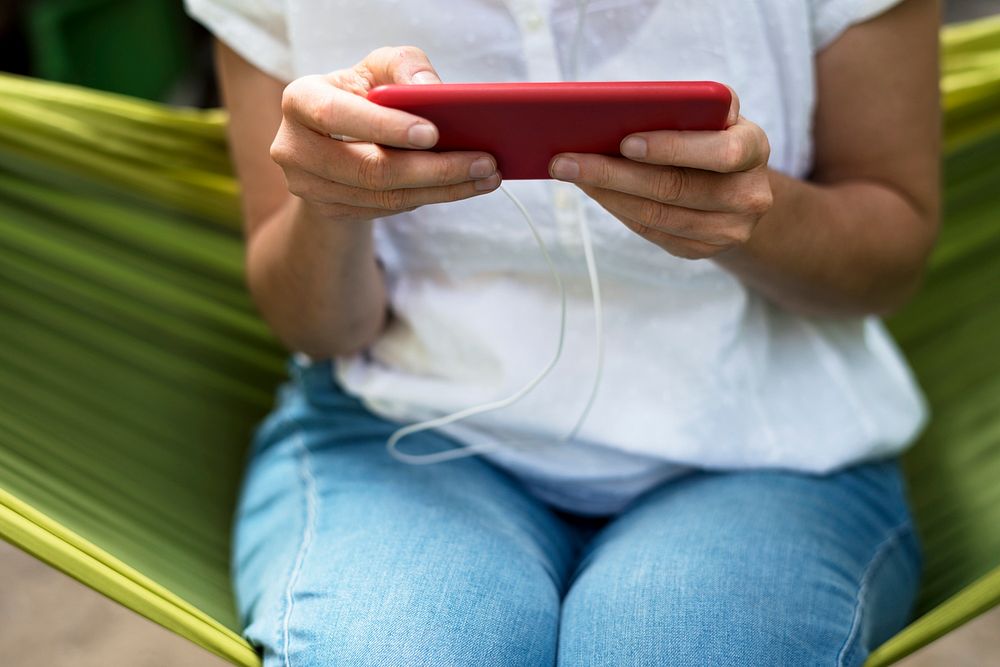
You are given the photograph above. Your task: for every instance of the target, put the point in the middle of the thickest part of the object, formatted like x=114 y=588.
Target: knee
x=469 y=629
x=458 y=609
x=671 y=614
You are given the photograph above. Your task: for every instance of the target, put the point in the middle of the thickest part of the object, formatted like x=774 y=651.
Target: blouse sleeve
x=830 y=18
x=255 y=29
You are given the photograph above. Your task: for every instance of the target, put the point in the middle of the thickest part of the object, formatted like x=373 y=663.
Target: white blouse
x=701 y=372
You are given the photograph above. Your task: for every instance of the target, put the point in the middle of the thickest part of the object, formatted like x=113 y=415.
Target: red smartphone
x=524 y=124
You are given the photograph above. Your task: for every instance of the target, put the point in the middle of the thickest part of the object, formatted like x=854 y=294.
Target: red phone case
x=524 y=124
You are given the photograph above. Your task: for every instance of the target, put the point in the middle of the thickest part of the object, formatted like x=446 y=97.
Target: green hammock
x=133 y=367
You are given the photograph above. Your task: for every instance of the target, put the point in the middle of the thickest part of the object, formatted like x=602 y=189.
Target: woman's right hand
x=370 y=176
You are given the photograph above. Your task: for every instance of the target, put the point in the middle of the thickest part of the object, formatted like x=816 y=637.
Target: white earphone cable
x=588 y=246
x=595 y=291
x=470 y=450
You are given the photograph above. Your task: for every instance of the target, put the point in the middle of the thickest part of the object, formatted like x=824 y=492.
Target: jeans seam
x=850 y=643
x=308 y=531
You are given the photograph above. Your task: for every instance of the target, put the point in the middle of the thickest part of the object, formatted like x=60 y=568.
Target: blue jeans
x=345 y=556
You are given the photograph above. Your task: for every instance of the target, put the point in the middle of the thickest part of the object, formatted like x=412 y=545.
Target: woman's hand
x=850 y=241
x=367 y=176
x=320 y=286
x=694 y=194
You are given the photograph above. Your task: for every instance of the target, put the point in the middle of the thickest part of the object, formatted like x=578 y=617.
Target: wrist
x=344 y=218
x=786 y=194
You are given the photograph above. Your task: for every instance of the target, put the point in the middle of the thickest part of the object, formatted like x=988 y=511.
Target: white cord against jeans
x=588 y=249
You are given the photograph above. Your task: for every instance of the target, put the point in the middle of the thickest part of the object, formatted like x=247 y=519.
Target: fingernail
x=565 y=169
x=634 y=147
x=425 y=77
x=489 y=183
x=481 y=168
x=422 y=135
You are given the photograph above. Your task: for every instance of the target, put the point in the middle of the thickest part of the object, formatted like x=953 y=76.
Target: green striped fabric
x=133 y=367
x=132 y=364
x=951 y=335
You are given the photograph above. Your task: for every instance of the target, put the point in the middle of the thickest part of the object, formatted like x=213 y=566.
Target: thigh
x=756 y=568
x=346 y=556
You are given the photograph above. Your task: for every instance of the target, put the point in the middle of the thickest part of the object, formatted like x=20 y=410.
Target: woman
x=732 y=496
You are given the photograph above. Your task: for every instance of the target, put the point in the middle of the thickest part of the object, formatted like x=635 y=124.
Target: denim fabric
x=345 y=556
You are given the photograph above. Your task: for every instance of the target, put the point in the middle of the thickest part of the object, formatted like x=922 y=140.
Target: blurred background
x=82 y=42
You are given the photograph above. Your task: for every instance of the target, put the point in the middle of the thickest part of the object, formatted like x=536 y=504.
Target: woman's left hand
x=694 y=194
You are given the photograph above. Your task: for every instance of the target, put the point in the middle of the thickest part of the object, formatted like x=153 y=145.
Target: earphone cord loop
x=470 y=450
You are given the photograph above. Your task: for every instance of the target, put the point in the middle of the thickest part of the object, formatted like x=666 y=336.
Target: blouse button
x=534 y=22
x=564 y=200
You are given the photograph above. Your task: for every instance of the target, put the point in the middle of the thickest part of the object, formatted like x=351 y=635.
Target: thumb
x=400 y=64
x=734 y=108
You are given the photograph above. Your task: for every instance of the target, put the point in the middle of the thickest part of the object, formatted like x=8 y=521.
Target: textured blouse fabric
x=700 y=371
